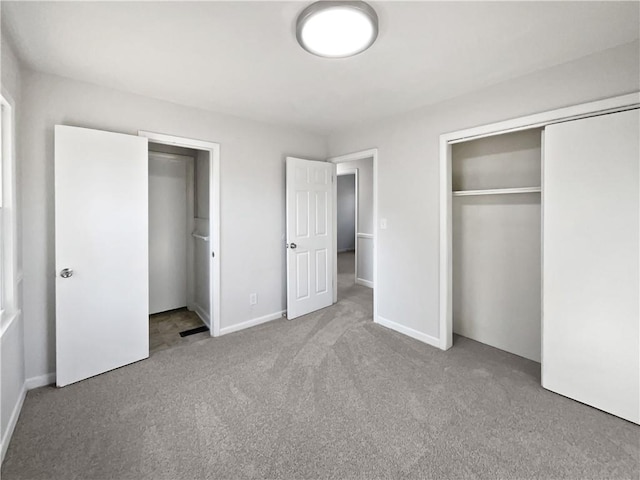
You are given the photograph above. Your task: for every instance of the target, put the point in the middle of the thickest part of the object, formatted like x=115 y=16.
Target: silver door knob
x=66 y=273
x=293 y=245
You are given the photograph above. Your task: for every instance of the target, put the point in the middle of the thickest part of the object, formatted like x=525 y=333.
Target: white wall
x=408 y=169
x=12 y=368
x=365 y=216
x=168 y=223
x=202 y=185
x=346 y=212
x=497 y=263
x=252 y=194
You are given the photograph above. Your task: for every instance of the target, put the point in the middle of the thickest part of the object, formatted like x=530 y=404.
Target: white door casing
x=591 y=284
x=310 y=238
x=101 y=234
x=209 y=228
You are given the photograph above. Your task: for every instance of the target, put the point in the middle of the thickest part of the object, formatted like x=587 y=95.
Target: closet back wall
x=168 y=223
x=497 y=243
x=252 y=195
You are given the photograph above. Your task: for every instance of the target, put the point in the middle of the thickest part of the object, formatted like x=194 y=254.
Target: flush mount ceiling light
x=337 y=29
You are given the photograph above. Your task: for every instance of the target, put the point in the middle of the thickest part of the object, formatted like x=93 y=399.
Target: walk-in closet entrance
x=178 y=246
x=109 y=273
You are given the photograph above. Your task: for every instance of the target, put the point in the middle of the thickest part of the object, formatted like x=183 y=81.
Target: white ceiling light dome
x=337 y=29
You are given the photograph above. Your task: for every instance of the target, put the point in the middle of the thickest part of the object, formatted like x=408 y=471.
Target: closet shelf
x=200 y=237
x=496 y=191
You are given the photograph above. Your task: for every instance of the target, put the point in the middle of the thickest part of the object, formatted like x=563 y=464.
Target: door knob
x=66 y=273
x=293 y=245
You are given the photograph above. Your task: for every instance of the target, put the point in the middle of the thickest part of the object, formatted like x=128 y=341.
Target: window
x=8 y=230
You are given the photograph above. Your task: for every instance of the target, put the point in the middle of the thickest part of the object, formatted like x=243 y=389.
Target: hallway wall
x=346 y=211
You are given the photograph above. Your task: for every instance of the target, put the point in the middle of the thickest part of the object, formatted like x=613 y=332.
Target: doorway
x=346 y=231
x=355 y=233
x=184 y=240
x=178 y=237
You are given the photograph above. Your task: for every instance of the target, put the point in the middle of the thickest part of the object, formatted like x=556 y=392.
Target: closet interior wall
x=178 y=229
x=497 y=241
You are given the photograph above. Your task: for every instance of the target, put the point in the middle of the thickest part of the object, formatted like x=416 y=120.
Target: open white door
x=309 y=236
x=101 y=233
x=591 y=315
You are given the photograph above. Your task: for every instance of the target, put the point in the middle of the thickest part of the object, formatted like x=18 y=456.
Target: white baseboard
x=364 y=283
x=410 y=332
x=13 y=420
x=41 y=381
x=203 y=314
x=252 y=323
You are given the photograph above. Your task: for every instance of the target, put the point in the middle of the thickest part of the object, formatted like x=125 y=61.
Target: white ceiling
x=242 y=57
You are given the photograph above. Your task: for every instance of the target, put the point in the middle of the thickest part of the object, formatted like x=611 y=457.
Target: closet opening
x=179 y=279
x=496 y=241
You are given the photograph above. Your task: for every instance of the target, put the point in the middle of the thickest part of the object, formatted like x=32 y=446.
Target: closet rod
x=200 y=237
x=496 y=191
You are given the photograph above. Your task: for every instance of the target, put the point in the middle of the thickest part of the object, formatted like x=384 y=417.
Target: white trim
x=370 y=153
x=253 y=322
x=13 y=420
x=538 y=120
x=40 y=381
x=364 y=283
x=365 y=235
x=29 y=384
x=410 y=332
x=6 y=324
x=202 y=313
x=8 y=202
x=215 y=290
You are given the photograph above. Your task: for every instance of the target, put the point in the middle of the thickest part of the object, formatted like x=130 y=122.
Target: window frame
x=9 y=303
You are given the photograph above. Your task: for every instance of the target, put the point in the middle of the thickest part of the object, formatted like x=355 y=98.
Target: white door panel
x=101 y=233
x=309 y=236
x=591 y=258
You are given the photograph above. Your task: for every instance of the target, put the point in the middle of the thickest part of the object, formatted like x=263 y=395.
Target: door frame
x=214 y=215
x=354 y=172
x=350 y=157
x=538 y=120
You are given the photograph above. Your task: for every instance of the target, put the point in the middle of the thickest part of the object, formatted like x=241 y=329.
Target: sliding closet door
x=591 y=262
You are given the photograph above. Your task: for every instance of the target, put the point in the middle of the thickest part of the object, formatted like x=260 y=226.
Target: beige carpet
x=330 y=395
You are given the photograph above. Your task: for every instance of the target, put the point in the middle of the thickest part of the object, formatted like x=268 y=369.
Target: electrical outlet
x=253 y=299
